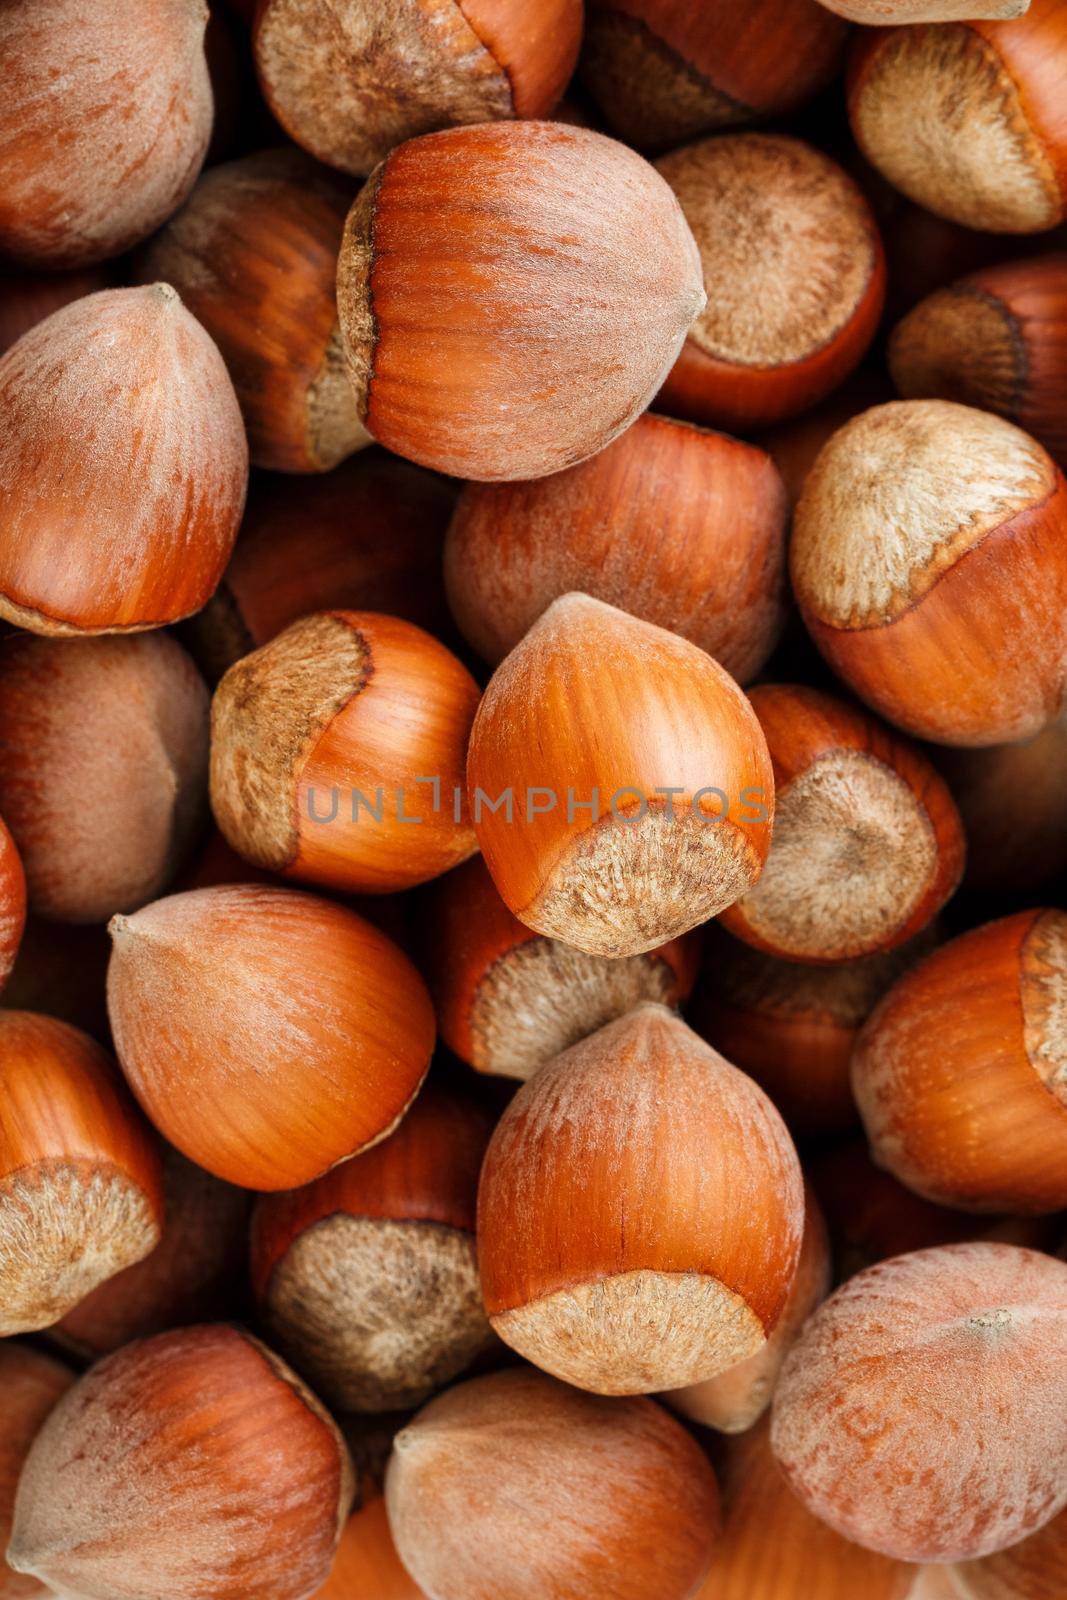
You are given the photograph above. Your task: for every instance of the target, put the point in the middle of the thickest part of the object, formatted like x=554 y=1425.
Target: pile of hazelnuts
x=533 y=1047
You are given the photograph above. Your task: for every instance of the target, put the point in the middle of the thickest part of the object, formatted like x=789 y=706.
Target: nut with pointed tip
x=961 y=1073
x=929 y=559
x=734 y=1400
x=31 y=1384
x=338 y=753
x=791 y=1026
x=253 y=254
x=365 y=537
x=969 y=118
x=641 y=785
x=509 y=999
x=196 y=1271
x=367 y=1563
x=91 y=168
x=996 y=340
x=610 y=1500
x=895 y=13
x=664 y=71
x=802 y=1558
x=123 y=466
x=80 y=1182
x=462 y=365
x=967 y=1344
x=367 y=1279
x=189 y=1464
x=12 y=902
x=595 y=1266
x=795 y=273
x=103 y=785
x=867 y=845
x=680 y=526
x=269 y=1034
x=1031 y=1570
x=351 y=80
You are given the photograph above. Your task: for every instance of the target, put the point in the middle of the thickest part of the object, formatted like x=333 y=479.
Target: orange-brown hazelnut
x=31 y=1383
x=367 y=1566
x=123 y=466
x=675 y=524
x=189 y=1464
x=640 y=1212
x=338 y=753
x=12 y=902
x=462 y=365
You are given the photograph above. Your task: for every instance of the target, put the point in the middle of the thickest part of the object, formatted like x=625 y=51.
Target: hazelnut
x=921 y=1411
x=663 y=71
x=607 y=1499
x=640 y=1212
x=31 y=1385
x=189 y=1463
x=253 y=254
x=892 y=13
x=961 y=1072
x=103 y=785
x=659 y=749
x=104 y=127
x=268 y=1034
x=351 y=80
x=795 y=274
x=338 y=753
x=80 y=1183
x=867 y=844
x=995 y=340
x=772 y=1548
x=464 y=363
x=792 y=1026
x=928 y=559
x=509 y=999
x=1031 y=1570
x=12 y=902
x=367 y=1278
x=365 y=537
x=734 y=1400
x=680 y=526
x=195 y=1271
x=367 y=1564
x=968 y=117
x=123 y=466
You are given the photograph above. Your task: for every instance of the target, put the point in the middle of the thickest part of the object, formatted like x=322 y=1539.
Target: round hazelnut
x=734 y=1400
x=352 y=79
x=509 y=999
x=968 y=117
x=960 y=1074
x=105 y=124
x=367 y=1278
x=675 y=524
x=921 y=1411
x=253 y=254
x=867 y=843
x=123 y=466
x=640 y=1212
x=607 y=1499
x=31 y=1384
x=996 y=340
x=106 y=745
x=641 y=785
x=195 y=1272
x=893 y=13
x=365 y=537
x=189 y=1463
x=663 y=71
x=464 y=364
x=80 y=1182
x=268 y=1034
x=792 y=1026
x=795 y=274
x=338 y=753
x=929 y=559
